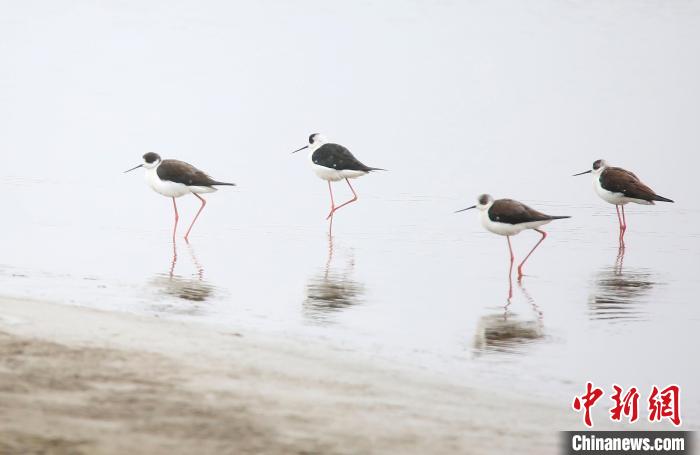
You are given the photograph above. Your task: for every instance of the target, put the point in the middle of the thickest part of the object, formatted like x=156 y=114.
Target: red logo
x=587 y=401
x=663 y=404
x=627 y=405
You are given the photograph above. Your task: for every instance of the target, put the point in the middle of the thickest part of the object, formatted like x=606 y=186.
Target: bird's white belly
x=607 y=196
x=164 y=187
x=615 y=198
x=508 y=229
x=334 y=175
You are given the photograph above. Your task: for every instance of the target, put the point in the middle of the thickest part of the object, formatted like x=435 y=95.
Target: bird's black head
x=598 y=167
x=151 y=157
x=150 y=161
x=484 y=199
x=315 y=141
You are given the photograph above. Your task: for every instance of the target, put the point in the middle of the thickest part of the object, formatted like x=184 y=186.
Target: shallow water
x=455 y=99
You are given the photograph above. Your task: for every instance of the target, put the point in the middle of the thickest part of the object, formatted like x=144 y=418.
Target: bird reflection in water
x=194 y=288
x=507 y=332
x=331 y=290
x=618 y=295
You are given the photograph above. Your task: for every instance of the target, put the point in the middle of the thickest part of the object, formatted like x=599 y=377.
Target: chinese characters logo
x=662 y=404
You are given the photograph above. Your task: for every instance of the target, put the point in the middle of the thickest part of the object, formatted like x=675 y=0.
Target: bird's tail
x=661 y=198
x=558 y=217
x=376 y=169
x=222 y=184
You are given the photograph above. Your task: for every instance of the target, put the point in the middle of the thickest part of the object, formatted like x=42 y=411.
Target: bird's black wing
x=514 y=212
x=337 y=157
x=181 y=172
x=619 y=180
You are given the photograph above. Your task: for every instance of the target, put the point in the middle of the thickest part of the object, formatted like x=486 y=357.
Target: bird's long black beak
x=581 y=173
x=468 y=208
x=299 y=150
x=140 y=165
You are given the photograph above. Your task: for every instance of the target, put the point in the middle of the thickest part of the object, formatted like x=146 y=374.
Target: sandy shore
x=75 y=380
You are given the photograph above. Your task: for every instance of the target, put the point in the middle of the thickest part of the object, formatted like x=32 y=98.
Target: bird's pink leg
x=177 y=217
x=204 y=202
x=619 y=224
x=330 y=190
x=624 y=223
x=520 y=267
x=510 y=270
x=354 y=198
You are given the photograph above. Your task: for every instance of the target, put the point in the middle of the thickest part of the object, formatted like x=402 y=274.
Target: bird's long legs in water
x=204 y=202
x=520 y=267
x=177 y=217
x=624 y=224
x=622 y=220
x=333 y=207
x=330 y=191
x=510 y=270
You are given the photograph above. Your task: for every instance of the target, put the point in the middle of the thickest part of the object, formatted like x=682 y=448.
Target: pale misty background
x=454 y=98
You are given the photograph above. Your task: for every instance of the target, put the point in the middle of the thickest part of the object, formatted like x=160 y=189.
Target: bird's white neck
x=484 y=216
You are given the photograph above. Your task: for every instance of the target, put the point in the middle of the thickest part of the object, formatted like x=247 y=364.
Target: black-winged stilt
x=173 y=178
x=508 y=217
x=333 y=162
x=619 y=187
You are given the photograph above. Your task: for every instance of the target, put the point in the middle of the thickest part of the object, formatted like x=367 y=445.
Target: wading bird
x=619 y=187
x=333 y=162
x=508 y=217
x=173 y=178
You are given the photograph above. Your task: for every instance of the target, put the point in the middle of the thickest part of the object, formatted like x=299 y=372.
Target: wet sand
x=76 y=380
